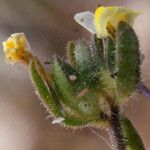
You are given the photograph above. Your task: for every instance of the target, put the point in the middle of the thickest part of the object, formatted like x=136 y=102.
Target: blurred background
x=49 y=24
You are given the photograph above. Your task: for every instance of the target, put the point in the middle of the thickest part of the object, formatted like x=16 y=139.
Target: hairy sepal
x=82 y=103
x=42 y=87
x=128 y=61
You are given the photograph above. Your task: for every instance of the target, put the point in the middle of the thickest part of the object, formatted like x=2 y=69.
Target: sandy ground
x=48 y=25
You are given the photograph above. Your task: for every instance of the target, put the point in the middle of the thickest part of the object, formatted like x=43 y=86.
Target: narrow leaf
x=97 y=51
x=70 y=52
x=131 y=136
x=128 y=60
x=85 y=65
x=63 y=87
x=85 y=104
x=43 y=89
x=111 y=55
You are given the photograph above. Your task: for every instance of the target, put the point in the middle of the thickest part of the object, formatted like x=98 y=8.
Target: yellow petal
x=106 y=19
x=16 y=49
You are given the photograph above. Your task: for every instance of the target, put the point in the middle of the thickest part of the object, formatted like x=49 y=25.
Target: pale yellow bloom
x=106 y=19
x=16 y=49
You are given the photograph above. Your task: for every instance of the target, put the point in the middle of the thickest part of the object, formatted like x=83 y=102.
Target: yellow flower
x=16 y=49
x=105 y=20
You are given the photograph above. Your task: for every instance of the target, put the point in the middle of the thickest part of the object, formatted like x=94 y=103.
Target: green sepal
x=85 y=64
x=75 y=122
x=128 y=60
x=70 y=53
x=89 y=104
x=77 y=84
x=43 y=88
x=108 y=85
x=97 y=51
x=82 y=56
x=111 y=55
x=85 y=106
x=63 y=87
x=131 y=136
x=67 y=69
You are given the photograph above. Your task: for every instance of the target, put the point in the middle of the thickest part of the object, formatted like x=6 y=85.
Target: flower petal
x=86 y=19
x=102 y=16
x=16 y=49
x=107 y=19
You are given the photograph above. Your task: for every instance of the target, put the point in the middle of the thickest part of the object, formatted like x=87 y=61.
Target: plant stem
x=115 y=130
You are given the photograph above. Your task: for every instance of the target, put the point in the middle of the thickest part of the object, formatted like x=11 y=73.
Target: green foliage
x=43 y=89
x=49 y=97
x=131 y=136
x=97 y=76
x=81 y=105
x=128 y=60
x=111 y=58
x=62 y=86
x=97 y=51
x=85 y=65
x=103 y=67
x=70 y=53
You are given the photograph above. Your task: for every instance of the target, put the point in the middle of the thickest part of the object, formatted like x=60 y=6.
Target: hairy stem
x=115 y=130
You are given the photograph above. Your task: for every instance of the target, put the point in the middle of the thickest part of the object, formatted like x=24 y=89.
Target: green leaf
x=85 y=105
x=43 y=89
x=111 y=55
x=78 y=83
x=70 y=53
x=85 y=65
x=97 y=51
x=75 y=122
x=108 y=84
x=67 y=69
x=63 y=87
x=128 y=60
x=82 y=56
x=131 y=136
